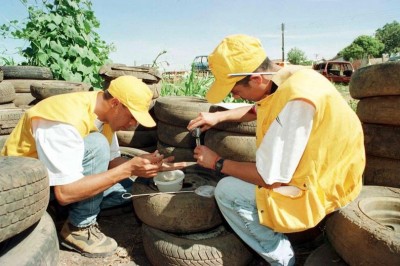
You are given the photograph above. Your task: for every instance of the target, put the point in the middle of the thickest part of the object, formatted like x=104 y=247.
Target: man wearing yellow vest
x=74 y=136
x=310 y=150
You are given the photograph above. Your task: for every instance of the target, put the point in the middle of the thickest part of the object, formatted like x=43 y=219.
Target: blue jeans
x=237 y=202
x=95 y=161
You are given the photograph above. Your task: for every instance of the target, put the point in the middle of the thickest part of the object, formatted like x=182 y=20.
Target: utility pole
x=283 y=42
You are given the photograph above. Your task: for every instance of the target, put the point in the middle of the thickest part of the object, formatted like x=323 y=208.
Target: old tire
x=324 y=255
x=37 y=245
x=381 y=171
x=179 y=110
x=137 y=139
x=25 y=99
x=26 y=72
x=248 y=128
x=366 y=232
x=147 y=74
x=382 y=140
x=376 y=80
x=176 y=136
x=24 y=194
x=46 y=88
x=7 y=92
x=22 y=85
x=9 y=119
x=177 y=213
x=380 y=110
x=233 y=146
x=180 y=154
x=215 y=247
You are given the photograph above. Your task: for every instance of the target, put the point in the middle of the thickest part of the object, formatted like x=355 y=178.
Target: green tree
x=363 y=46
x=389 y=35
x=60 y=35
x=297 y=57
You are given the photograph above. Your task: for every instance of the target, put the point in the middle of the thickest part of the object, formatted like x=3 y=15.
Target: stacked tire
x=378 y=89
x=186 y=228
x=27 y=233
x=367 y=231
x=138 y=138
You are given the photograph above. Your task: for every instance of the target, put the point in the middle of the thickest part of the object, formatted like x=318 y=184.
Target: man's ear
x=256 y=79
x=114 y=102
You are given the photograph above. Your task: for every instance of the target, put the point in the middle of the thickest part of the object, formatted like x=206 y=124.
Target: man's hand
x=168 y=164
x=204 y=121
x=205 y=157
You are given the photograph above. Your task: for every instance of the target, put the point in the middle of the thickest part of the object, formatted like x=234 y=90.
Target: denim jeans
x=237 y=202
x=95 y=161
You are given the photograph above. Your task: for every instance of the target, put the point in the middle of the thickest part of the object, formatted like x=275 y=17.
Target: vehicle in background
x=394 y=58
x=335 y=71
x=200 y=63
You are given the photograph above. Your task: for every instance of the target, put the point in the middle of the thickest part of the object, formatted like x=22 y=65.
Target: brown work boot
x=89 y=241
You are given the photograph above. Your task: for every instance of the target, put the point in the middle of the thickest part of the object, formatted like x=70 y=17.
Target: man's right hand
x=204 y=121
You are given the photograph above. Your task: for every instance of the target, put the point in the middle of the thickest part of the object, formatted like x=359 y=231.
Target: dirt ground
x=125 y=228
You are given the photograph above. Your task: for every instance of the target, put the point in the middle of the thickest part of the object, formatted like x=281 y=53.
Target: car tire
x=46 y=88
x=24 y=194
x=37 y=245
x=26 y=72
x=9 y=118
x=380 y=110
x=232 y=146
x=381 y=171
x=179 y=110
x=177 y=213
x=324 y=255
x=382 y=140
x=366 y=231
x=7 y=92
x=215 y=247
x=375 y=80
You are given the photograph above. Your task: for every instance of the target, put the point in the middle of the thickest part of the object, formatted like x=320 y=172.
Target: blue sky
x=140 y=30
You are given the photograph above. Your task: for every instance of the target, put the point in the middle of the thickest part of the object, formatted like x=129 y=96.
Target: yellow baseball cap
x=135 y=95
x=235 y=54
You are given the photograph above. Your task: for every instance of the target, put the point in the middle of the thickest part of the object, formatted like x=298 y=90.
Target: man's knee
x=97 y=144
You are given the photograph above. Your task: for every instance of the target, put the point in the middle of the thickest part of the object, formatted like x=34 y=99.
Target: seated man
x=74 y=136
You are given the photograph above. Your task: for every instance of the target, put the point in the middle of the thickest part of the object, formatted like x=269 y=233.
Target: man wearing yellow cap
x=310 y=150
x=74 y=136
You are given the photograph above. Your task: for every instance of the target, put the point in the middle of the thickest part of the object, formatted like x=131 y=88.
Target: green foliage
x=60 y=35
x=362 y=47
x=297 y=57
x=195 y=83
x=389 y=35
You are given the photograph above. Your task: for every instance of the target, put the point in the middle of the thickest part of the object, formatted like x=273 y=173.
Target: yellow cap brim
x=143 y=118
x=219 y=90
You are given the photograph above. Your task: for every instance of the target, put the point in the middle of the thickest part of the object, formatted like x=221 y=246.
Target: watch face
x=218 y=165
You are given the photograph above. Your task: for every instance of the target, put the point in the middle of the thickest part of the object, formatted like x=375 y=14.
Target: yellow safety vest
x=76 y=109
x=329 y=173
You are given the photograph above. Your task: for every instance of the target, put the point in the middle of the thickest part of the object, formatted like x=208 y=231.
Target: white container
x=169 y=181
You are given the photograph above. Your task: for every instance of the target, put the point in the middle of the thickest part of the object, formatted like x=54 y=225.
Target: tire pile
x=184 y=229
x=25 y=226
x=378 y=89
x=367 y=231
x=138 y=138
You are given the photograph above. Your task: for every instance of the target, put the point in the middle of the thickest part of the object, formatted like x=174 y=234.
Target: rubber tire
x=177 y=213
x=9 y=118
x=37 y=245
x=7 y=105
x=380 y=110
x=375 y=80
x=362 y=240
x=232 y=146
x=179 y=110
x=7 y=92
x=25 y=99
x=146 y=74
x=175 y=136
x=22 y=85
x=24 y=194
x=26 y=72
x=180 y=154
x=382 y=172
x=163 y=248
x=46 y=88
x=137 y=139
x=248 y=128
x=324 y=255
x=382 y=140
x=3 y=139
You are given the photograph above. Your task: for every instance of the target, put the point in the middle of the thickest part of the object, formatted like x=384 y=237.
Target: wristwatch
x=218 y=166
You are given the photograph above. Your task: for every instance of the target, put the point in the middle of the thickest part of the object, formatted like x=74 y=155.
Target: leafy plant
x=61 y=36
x=389 y=35
x=362 y=47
